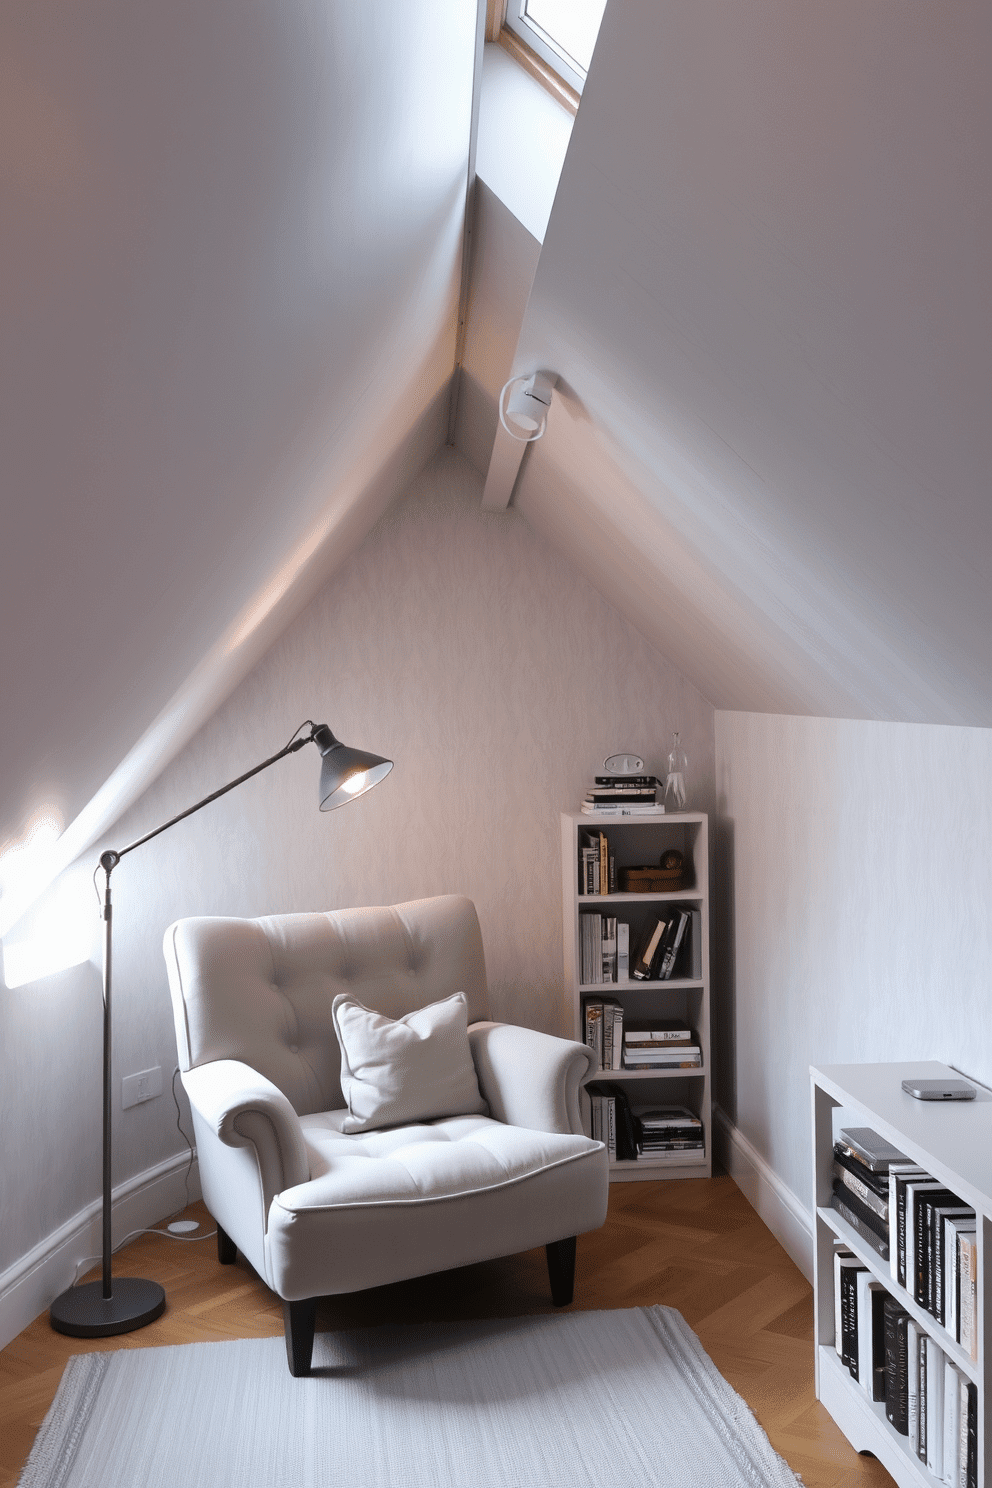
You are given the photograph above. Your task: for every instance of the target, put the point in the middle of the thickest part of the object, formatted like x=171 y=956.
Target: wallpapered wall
x=457 y=643
x=855 y=880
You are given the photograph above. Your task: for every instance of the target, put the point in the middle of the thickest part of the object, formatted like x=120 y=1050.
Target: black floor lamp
x=101 y=1308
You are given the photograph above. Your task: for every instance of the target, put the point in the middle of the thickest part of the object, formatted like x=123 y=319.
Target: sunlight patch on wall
x=63 y=931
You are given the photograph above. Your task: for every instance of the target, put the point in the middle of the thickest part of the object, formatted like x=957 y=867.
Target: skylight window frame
x=533 y=36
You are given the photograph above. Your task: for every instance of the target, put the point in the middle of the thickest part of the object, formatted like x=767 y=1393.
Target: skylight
x=562 y=32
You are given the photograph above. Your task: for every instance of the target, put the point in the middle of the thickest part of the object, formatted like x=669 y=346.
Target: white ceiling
x=228 y=306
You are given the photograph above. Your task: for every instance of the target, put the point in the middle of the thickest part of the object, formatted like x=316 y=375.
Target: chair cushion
x=430 y=1160
x=398 y=1070
x=385 y=1205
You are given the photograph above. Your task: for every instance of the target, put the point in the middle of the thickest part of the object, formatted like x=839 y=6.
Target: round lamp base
x=84 y=1312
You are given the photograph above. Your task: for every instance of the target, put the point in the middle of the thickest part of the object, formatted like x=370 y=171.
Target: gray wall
x=855 y=871
x=454 y=641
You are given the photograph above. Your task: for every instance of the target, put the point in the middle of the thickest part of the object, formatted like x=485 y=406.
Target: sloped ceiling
x=765 y=288
x=232 y=258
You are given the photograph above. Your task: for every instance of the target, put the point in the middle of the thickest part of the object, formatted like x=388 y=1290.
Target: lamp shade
x=345 y=773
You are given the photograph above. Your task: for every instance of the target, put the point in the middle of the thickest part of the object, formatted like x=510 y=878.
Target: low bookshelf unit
x=925 y=1256
x=673 y=998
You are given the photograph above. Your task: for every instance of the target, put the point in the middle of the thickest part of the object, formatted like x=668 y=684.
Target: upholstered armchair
x=320 y=1198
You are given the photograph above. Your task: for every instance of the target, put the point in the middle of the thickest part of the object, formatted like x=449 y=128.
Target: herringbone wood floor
x=696 y=1245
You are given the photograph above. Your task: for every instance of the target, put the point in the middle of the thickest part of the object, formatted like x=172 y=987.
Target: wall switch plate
x=141 y=1087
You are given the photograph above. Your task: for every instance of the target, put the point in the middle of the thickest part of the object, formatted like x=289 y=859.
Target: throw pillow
x=415 y=1068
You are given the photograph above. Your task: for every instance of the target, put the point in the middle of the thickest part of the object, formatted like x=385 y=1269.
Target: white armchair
x=318 y=1210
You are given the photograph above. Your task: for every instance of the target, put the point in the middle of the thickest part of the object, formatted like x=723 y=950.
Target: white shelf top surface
x=951 y=1139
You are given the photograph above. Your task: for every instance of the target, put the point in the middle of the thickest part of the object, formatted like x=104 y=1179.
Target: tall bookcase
x=953 y=1142
x=639 y=842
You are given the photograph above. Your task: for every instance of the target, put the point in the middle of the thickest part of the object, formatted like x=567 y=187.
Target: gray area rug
x=604 y=1399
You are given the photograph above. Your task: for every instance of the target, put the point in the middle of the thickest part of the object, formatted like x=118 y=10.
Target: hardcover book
x=895 y=1318
x=873 y=1150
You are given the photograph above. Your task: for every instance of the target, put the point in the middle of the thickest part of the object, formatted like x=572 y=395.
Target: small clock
x=624 y=764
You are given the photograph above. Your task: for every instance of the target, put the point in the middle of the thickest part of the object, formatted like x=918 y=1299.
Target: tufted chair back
x=260 y=991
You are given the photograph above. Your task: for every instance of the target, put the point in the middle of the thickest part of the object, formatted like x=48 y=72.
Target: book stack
x=927 y=1397
x=668 y=938
x=861 y=1185
x=670 y=1129
x=659 y=1046
x=623 y=795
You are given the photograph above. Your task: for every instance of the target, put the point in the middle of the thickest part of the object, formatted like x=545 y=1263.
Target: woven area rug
x=605 y=1399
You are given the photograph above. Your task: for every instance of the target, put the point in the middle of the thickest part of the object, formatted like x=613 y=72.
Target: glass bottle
x=675 y=782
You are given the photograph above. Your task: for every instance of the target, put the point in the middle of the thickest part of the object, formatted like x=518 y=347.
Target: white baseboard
x=31 y=1284
x=789 y=1220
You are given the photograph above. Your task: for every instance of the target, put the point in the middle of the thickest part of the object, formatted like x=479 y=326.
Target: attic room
x=267 y=272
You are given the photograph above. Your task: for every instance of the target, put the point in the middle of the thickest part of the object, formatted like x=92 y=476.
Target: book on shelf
x=671 y=1129
x=609 y=951
x=870 y=1299
x=935 y=1408
x=938 y=1260
x=673 y=941
x=634 y=781
x=620 y=809
x=971 y=1450
x=871 y=1149
x=968 y=1294
x=597 y=948
x=899 y=1175
x=608 y=795
x=842 y=1257
x=658 y=1031
x=662 y=1057
x=913 y=1333
x=921 y=1386
x=954 y=1228
x=623 y=951
x=861 y=1190
x=952 y=1421
x=597 y=865
x=918 y=1198
x=602 y=1111
x=624 y=1135
x=603 y=1030
x=895 y=1317
x=647 y=954
x=863 y=1223
x=592 y=1022
x=847 y=1268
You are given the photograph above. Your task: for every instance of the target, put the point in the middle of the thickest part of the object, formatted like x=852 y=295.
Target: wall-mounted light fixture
x=524 y=404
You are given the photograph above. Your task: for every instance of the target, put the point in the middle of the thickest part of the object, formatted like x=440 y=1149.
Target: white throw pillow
x=400 y=1070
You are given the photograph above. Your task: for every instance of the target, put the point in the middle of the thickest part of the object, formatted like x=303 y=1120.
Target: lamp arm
x=110 y=858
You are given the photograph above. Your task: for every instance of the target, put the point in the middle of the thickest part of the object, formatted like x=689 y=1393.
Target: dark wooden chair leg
x=227 y=1251
x=301 y=1320
x=561 y=1270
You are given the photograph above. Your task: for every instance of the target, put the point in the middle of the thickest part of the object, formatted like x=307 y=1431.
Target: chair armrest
x=241 y=1106
x=530 y=1079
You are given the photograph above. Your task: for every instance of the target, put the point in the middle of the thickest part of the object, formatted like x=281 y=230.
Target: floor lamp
x=101 y=1308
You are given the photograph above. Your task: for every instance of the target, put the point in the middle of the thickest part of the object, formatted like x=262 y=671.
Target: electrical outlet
x=141 y=1087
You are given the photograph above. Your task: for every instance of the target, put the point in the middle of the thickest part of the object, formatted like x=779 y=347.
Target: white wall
x=855 y=871
x=231 y=265
x=456 y=642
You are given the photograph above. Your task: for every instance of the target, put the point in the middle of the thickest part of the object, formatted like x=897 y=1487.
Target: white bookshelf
x=953 y=1142
x=638 y=843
